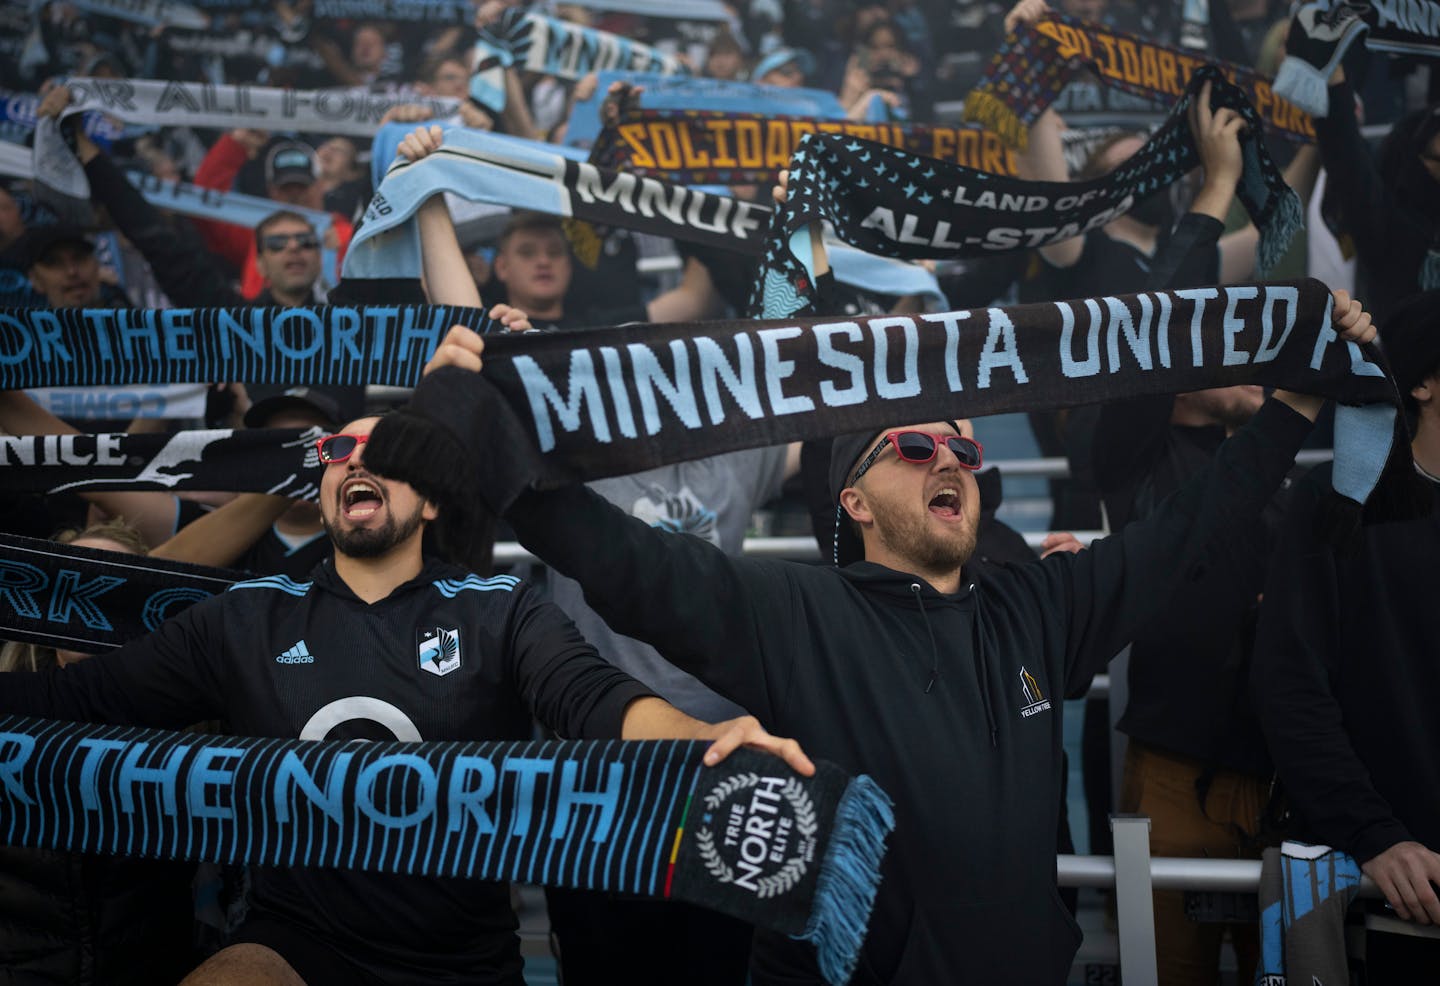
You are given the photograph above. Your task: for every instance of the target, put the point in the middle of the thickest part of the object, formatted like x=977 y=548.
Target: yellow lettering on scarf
x=777 y=144
x=1149 y=69
x=747 y=144
x=720 y=130
x=634 y=135
x=694 y=158
x=667 y=146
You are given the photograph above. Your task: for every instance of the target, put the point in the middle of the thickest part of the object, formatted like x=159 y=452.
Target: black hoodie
x=952 y=703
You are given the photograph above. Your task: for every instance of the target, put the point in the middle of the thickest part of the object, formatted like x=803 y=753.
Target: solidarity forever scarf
x=888 y=202
x=75 y=598
x=283 y=462
x=534 y=42
x=727 y=148
x=495 y=168
x=747 y=837
x=680 y=92
x=1034 y=64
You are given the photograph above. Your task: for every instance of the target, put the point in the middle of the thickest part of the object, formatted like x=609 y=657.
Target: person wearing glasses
x=342 y=655
x=903 y=661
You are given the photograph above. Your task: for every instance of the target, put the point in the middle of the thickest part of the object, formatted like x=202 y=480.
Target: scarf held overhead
x=727 y=148
x=483 y=167
x=1032 y=67
x=584 y=405
x=545 y=45
x=281 y=462
x=316 y=345
x=747 y=837
x=896 y=204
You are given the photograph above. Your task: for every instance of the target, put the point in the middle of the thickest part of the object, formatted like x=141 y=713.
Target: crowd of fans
x=1229 y=747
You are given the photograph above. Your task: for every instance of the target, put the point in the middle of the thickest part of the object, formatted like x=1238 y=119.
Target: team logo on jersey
x=438 y=650
x=1035 y=700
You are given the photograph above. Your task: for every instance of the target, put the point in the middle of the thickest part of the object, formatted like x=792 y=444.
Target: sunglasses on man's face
x=338 y=448
x=920 y=447
x=275 y=242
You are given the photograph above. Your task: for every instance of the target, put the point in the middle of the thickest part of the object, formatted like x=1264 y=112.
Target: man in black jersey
x=344 y=656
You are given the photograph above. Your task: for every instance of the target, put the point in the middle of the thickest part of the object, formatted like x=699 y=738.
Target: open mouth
x=946 y=503
x=360 y=500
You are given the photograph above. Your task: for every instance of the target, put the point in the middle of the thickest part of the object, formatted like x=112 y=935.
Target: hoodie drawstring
x=934 y=648
x=982 y=670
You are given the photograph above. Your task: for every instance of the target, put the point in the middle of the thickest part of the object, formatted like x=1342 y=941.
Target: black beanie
x=1411 y=339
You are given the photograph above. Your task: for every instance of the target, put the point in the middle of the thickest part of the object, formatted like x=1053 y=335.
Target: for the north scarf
x=74 y=598
x=354 y=112
x=1304 y=893
x=896 y=204
x=747 y=837
x=708 y=147
x=536 y=43
x=679 y=92
x=1034 y=64
x=283 y=462
x=316 y=345
x=522 y=174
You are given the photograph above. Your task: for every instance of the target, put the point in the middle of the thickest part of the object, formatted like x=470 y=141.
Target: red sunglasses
x=920 y=447
x=338 y=448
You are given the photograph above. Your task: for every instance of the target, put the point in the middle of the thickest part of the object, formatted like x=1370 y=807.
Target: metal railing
x=1135 y=874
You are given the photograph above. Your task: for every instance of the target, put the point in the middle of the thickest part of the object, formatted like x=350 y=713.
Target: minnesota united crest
x=438 y=650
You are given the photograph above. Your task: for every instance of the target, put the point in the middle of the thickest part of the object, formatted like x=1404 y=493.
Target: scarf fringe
x=849 y=878
x=1304 y=85
x=1278 y=230
x=990 y=111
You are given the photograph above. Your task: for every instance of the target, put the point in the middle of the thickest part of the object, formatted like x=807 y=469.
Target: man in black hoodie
x=942 y=687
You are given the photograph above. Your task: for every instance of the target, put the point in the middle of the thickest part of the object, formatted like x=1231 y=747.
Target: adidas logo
x=298 y=654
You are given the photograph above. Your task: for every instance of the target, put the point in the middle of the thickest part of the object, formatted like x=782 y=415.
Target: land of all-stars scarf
x=485 y=167
x=747 y=837
x=896 y=204
x=534 y=42
x=1033 y=65
x=713 y=147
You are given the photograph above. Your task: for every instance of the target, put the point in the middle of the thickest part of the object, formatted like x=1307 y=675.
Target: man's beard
x=910 y=537
x=368 y=542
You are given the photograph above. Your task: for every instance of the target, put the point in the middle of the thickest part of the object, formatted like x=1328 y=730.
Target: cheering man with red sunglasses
x=902 y=663
x=381 y=642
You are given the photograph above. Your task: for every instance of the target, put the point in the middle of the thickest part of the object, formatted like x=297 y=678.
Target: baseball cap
x=781 y=57
x=42 y=239
x=334 y=405
x=290 y=163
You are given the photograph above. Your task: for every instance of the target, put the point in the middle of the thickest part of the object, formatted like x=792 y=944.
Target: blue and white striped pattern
x=450 y=588
x=593 y=814
x=279 y=583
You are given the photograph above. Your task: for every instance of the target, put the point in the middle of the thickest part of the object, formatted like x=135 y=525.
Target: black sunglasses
x=275 y=242
x=920 y=447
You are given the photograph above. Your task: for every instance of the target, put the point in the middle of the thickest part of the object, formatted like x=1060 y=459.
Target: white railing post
x=1134 y=901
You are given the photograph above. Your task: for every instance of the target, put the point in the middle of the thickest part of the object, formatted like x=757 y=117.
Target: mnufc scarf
x=483 y=167
x=75 y=598
x=896 y=204
x=281 y=461
x=583 y=405
x=710 y=147
x=546 y=45
x=1321 y=32
x=747 y=837
x=317 y=345
x=1031 y=68
x=151 y=13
